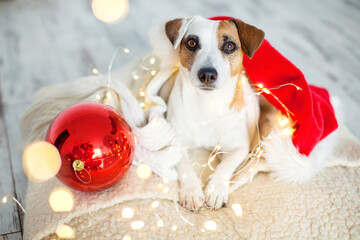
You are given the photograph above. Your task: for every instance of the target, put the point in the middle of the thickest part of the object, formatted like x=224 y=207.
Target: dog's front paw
x=191 y=195
x=216 y=194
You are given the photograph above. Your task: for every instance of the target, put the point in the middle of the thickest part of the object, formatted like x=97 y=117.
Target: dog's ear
x=172 y=29
x=250 y=37
x=175 y=30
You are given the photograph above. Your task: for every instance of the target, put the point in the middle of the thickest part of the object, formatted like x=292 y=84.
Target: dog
x=209 y=105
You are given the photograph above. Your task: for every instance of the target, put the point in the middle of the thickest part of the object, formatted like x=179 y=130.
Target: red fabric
x=312 y=111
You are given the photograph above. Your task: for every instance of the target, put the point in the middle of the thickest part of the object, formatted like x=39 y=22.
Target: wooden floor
x=51 y=41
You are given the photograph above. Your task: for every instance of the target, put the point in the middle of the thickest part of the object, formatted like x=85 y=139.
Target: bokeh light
x=110 y=11
x=65 y=232
x=160 y=223
x=210 y=225
x=136 y=225
x=155 y=204
x=143 y=171
x=61 y=200
x=127 y=213
x=41 y=161
x=126 y=237
x=237 y=209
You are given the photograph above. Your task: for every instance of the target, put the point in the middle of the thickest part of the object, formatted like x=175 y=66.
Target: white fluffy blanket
x=327 y=207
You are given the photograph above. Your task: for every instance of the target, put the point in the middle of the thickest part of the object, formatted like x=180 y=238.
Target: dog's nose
x=207 y=75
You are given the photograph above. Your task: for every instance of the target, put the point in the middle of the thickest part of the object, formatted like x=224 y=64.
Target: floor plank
x=11 y=236
x=58 y=49
x=9 y=218
x=12 y=115
x=25 y=50
x=83 y=39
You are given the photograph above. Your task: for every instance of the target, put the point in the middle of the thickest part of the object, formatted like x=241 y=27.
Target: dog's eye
x=229 y=47
x=191 y=44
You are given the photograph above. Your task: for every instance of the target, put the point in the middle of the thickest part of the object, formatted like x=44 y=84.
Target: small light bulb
x=210 y=225
x=152 y=60
x=266 y=91
x=153 y=72
x=287 y=131
x=135 y=77
x=260 y=85
x=142 y=104
x=97 y=96
x=155 y=204
x=127 y=213
x=4 y=200
x=136 y=225
x=284 y=121
x=95 y=71
x=165 y=190
x=126 y=237
x=160 y=223
x=174 y=228
x=237 y=209
x=142 y=93
x=126 y=50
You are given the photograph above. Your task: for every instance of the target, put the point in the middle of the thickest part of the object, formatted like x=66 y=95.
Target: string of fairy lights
x=147 y=70
x=61 y=199
x=255 y=155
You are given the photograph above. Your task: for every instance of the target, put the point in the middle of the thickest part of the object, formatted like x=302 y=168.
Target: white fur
x=287 y=164
x=204 y=119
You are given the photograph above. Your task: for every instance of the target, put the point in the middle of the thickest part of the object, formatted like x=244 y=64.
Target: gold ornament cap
x=78 y=165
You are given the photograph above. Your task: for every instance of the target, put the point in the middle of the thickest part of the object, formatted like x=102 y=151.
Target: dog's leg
x=217 y=189
x=191 y=193
x=248 y=173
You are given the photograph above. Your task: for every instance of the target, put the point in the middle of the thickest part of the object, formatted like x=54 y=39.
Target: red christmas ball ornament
x=95 y=144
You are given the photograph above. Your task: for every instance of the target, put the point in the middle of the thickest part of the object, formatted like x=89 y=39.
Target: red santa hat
x=309 y=108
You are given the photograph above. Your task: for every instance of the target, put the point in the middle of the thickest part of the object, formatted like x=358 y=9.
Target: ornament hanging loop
x=78 y=166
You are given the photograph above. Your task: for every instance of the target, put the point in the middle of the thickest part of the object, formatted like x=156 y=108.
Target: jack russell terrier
x=207 y=89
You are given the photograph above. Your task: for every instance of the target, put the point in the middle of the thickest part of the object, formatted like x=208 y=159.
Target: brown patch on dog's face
x=189 y=47
x=230 y=45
